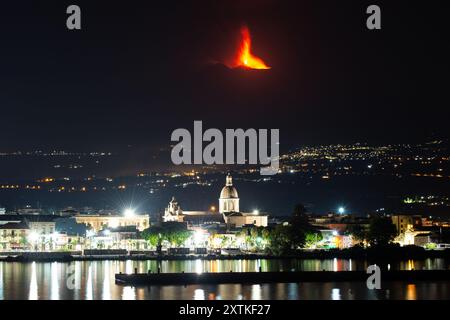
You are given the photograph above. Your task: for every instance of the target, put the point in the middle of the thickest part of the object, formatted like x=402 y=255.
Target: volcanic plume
x=244 y=57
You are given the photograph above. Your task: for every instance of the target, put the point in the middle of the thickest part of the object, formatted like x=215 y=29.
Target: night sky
x=138 y=70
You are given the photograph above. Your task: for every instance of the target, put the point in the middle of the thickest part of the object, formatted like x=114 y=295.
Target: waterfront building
x=41 y=224
x=123 y=233
x=40 y=232
x=99 y=222
x=229 y=211
x=38 y=224
x=418 y=236
x=404 y=222
x=13 y=235
x=342 y=224
x=64 y=241
x=125 y=237
x=425 y=239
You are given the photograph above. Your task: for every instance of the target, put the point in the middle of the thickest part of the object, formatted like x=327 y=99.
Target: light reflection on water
x=411 y=293
x=54 y=282
x=198 y=266
x=95 y=280
x=199 y=294
x=89 y=292
x=256 y=292
x=33 y=284
x=1 y=281
x=129 y=293
x=106 y=282
x=335 y=294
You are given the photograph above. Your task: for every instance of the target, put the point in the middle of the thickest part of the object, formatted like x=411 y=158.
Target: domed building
x=229 y=199
x=229 y=212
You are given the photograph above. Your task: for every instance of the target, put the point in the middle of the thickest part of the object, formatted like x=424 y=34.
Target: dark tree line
x=288 y=238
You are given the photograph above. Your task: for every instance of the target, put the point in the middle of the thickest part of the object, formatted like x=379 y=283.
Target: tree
x=312 y=238
x=358 y=232
x=179 y=237
x=245 y=234
x=381 y=231
x=175 y=233
x=280 y=242
x=298 y=233
x=254 y=232
x=226 y=242
x=300 y=226
x=265 y=234
x=153 y=235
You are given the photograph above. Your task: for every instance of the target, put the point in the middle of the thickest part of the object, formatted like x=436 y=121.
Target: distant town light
x=341 y=210
x=129 y=212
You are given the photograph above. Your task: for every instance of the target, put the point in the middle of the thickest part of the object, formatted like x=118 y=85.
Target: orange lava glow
x=244 y=57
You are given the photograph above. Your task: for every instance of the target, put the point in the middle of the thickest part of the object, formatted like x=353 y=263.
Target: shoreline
x=378 y=254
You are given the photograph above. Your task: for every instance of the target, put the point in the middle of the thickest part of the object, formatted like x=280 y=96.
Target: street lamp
x=341 y=210
x=129 y=212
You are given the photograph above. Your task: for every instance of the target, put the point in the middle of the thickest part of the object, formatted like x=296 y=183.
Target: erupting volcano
x=244 y=57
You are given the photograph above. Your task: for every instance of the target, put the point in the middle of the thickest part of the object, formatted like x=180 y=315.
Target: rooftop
x=28 y=218
x=14 y=226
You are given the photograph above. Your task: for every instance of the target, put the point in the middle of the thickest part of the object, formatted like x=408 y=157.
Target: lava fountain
x=244 y=57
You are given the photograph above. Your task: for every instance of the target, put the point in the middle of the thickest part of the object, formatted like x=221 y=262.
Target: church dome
x=229 y=192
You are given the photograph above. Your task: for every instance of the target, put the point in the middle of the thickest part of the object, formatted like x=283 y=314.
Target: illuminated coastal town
x=221 y=230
